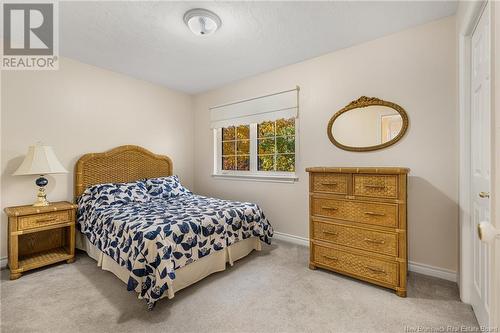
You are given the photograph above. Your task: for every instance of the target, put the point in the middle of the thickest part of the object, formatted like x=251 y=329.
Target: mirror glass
x=368 y=126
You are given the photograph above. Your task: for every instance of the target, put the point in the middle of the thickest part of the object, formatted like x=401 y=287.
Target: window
x=266 y=149
x=276 y=145
x=257 y=137
x=236 y=148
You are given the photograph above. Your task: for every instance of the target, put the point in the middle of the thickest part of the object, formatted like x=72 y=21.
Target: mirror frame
x=363 y=102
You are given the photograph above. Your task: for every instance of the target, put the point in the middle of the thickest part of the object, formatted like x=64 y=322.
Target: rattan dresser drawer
x=379 y=186
x=382 y=214
x=356 y=264
x=334 y=183
x=360 y=238
x=40 y=220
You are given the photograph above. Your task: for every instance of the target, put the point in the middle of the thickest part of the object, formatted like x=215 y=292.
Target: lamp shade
x=40 y=160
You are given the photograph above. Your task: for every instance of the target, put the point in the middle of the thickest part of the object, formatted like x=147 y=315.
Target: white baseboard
x=3 y=262
x=291 y=238
x=438 y=272
x=416 y=267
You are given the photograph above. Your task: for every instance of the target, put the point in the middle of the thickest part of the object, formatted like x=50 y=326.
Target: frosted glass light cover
x=201 y=21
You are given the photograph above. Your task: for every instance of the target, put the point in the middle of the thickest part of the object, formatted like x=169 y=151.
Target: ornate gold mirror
x=366 y=124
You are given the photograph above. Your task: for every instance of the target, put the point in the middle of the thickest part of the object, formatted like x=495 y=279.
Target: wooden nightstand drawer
x=40 y=220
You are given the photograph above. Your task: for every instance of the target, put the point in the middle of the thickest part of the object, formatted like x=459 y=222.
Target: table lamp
x=40 y=160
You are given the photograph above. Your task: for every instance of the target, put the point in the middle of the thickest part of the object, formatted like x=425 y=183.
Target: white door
x=480 y=164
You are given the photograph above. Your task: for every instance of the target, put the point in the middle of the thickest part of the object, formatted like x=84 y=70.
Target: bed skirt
x=185 y=276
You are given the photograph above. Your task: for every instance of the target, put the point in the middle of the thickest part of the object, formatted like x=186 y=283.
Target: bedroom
x=238 y=99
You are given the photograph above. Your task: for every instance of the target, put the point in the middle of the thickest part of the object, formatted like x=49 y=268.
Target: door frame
x=470 y=19
x=495 y=107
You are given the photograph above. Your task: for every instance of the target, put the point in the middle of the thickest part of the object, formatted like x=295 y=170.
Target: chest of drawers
x=358 y=223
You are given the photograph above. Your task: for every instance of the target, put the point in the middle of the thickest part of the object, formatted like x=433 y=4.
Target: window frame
x=254 y=173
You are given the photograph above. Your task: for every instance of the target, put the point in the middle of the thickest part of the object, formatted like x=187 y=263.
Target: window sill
x=258 y=178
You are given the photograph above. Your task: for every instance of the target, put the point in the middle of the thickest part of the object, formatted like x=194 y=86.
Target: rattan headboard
x=121 y=164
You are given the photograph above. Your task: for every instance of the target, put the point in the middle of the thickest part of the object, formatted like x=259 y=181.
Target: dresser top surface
x=368 y=170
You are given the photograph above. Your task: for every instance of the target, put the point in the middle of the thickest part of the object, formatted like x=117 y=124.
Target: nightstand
x=40 y=236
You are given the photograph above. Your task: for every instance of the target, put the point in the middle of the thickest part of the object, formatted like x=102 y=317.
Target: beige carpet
x=270 y=291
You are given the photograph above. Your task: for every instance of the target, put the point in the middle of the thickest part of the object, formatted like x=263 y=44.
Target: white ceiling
x=149 y=40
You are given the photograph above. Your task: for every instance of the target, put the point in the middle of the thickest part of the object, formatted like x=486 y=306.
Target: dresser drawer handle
x=375 y=186
x=376 y=241
x=375 y=214
x=331 y=258
x=50 y=219
x=329 y=208
x=329 y=184
x=376 y=269
x=330 y=233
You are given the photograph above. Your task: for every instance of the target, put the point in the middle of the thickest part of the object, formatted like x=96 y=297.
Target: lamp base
x=41 y=196
x=41 y=202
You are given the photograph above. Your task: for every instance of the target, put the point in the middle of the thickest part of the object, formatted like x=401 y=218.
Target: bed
x=139 y=222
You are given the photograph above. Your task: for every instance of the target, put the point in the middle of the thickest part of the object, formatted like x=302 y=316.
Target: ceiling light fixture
x=202 y=22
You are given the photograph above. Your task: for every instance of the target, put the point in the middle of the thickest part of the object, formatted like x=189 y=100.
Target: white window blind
x=284 y=104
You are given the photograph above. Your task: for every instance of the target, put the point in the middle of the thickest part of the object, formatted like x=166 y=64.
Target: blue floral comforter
x=153 y=237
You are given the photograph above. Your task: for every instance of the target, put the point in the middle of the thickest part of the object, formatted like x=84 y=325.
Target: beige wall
x=80 y=109
x=415 y=69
